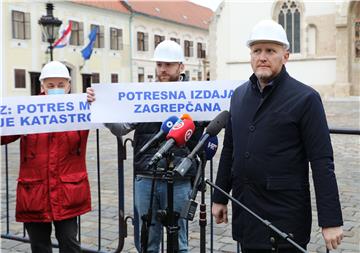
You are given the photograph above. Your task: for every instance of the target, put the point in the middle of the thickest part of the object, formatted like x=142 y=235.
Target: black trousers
x=65 y=233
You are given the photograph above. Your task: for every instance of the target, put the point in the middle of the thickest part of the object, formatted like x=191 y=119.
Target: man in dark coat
x=277 y=126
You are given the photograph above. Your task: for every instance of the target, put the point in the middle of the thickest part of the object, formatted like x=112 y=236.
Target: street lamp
x=50 y=26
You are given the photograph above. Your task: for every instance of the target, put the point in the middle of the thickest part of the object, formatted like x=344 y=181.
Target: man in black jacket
x=169 y=58
x=277 y=126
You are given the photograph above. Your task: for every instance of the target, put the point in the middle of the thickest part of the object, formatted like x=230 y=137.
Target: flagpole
x=51 y=51
x=83 y=65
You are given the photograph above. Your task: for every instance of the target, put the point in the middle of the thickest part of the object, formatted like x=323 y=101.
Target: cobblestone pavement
x=340 y=112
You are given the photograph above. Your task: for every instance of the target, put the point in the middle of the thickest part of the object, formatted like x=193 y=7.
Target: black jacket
x=269 y=141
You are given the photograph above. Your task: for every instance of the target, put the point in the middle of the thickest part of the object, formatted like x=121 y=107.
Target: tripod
x=168 y=217
x=188 y=211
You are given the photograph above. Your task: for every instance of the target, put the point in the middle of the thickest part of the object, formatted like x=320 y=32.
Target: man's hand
x=220 y=213
x=332 y=237
x=90 y=95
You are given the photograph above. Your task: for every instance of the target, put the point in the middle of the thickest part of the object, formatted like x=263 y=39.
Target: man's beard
x=169 y=78
x=265 y=77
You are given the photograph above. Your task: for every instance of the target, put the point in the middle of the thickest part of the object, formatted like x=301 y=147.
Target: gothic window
x=357 y=39
x=289 y=17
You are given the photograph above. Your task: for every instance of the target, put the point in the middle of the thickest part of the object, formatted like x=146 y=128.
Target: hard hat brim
x=46 y=77
x=166 y=60
x=249 y=43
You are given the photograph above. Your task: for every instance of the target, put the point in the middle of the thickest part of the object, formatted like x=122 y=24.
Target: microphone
x=179 y=134
x=165 y=128
x=189 y=209
x=210 y=147
x=213 y=129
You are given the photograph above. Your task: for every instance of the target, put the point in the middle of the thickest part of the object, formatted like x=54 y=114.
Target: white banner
x=156 y=101
x=40 y=114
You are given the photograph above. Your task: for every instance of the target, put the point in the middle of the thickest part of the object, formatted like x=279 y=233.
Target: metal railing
x=122 y=220
x=23 y=238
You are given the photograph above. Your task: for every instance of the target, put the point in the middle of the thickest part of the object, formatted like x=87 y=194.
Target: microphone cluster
x=209 y=138
x=178 y=135
x=177 y=131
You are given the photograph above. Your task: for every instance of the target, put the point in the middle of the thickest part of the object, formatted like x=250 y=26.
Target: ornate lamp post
x=50 y=26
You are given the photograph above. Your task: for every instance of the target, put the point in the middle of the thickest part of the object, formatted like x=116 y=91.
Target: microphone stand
x=202 y=214
x=189 y=210
x=274 y=231
x=168 y=217
x=147 y=218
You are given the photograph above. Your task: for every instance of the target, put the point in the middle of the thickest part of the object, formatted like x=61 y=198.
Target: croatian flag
x=64 y=37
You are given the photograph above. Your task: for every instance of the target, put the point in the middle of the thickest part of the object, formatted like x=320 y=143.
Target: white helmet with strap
x=54 y=69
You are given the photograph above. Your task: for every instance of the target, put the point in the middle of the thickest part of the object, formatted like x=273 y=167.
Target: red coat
x=53 y=182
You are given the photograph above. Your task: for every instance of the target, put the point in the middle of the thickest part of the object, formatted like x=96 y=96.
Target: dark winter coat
x=269 y=141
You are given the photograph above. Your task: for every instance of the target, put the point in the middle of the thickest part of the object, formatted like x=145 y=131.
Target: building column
x=342 y=85
x=354 y=64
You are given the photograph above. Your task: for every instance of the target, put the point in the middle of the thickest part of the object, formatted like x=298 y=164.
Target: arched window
x=357 y=38
x=289 y=18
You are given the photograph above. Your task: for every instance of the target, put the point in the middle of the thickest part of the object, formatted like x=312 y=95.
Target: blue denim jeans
x=182 y=189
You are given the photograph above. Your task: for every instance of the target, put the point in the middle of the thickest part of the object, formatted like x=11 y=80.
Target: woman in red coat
x=53 y=185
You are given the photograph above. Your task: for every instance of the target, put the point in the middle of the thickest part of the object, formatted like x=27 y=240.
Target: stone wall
x=325 y=34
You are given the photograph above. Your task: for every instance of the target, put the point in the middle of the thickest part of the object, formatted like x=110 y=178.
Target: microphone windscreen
x=185 y=116
x=181 y=132
x=217 y=123
x=210 y=147
x=168 y=124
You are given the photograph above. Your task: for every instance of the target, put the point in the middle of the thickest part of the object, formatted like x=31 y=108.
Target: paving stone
x=9 y=244
x=229 y=248
x=348 y=226
x=23 y=247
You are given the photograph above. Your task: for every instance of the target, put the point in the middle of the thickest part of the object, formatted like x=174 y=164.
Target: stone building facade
x=324 y=38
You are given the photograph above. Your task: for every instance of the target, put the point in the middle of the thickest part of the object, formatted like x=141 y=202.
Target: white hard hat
x=168 y=51
x=268 y=30
x=54 y=69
